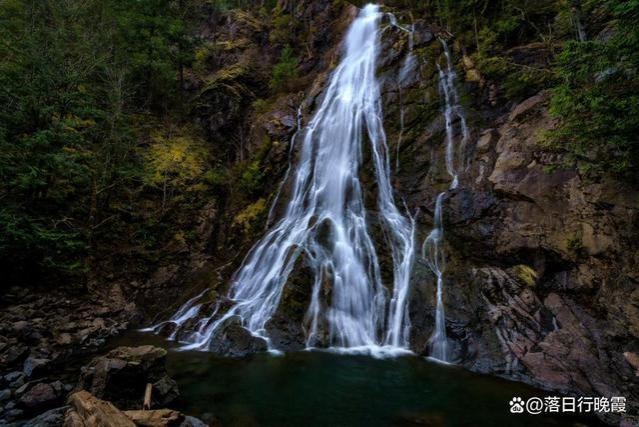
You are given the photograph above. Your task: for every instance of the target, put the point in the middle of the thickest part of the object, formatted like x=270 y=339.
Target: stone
x=73 y=419
x=13 y=377
x=15 y=354
x=20 y=325
x=23 y=388
x=5 y=395
x=13 y=414
x=633 y=360
x=64 y=339
x=190 y=421
x=51 y=418
x=39 y=396
x=34 y=366
x=486 y=141
x=121 y=377
x=526 y=107
x=423 y=34
x=236 y=341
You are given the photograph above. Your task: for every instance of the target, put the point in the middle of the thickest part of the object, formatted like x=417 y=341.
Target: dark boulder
x=34 y=366
x=121 y=377
x=236 y=341
x=41 y=396
x=51 y=418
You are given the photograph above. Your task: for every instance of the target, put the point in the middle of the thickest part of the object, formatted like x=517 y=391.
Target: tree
x=74 y=77
x=598 y=98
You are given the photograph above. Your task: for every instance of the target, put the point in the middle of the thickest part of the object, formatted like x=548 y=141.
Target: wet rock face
x=121 y=377
x=235 y=341
x=541 y=282
x=541 y=277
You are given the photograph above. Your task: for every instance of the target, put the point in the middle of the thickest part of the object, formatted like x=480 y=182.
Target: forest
x=152 y=152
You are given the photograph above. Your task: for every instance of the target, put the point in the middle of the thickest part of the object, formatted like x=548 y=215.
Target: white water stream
x=327 y=223
x=432 y=249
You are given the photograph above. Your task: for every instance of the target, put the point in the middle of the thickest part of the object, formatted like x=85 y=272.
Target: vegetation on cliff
x=597 y=100
x=584 y=51
x=108 y=109
x=86 y=89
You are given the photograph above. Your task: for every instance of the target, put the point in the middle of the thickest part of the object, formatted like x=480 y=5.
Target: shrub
x=285 y=70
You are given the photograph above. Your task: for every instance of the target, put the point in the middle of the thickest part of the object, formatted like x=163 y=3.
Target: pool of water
x=324 y=389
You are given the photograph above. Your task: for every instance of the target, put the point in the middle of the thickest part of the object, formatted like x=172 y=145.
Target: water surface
x=324 y=389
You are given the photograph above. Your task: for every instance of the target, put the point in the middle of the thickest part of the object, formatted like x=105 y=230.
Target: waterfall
x=432 y=249
x=327 y=223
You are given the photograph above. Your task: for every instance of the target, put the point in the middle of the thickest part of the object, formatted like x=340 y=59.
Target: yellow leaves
x=200 y=186
x=525 y=274
x=179 y=238
x=247 y=217
x=178 y=159
x=239 y=43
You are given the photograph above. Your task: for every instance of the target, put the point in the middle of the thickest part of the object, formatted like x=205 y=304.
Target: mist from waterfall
x=432 y=249
x=326 y=222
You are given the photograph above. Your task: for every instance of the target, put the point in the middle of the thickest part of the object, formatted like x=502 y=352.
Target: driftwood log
x=156 y=418
x=146 y=404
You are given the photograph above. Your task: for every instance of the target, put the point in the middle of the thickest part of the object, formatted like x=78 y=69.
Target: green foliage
x=285 y=70
x=598 y=99
x=175 y=161
x=576 y=245
x=506 y=23
x=153 y=45
x=260 y=105
x=250 y=216
x=283 y=28
x=252 y=178
x=517 y=81
x=74 y=74
x=217 y=177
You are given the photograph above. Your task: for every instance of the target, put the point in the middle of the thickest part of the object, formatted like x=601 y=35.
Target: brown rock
x=39 y=396
x=156 y=418
x=486 y=141
x=527 y=107
x=121 y=377
x=633 y=360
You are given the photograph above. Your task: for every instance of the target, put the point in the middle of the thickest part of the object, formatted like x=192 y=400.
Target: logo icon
x=534 y=405
x=516 y=405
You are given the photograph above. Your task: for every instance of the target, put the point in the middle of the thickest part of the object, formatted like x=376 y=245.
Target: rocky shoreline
x=109 y=392
x=43 y=338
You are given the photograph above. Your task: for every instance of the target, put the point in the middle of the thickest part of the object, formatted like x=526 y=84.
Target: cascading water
x=432 y=249
x=326 y=221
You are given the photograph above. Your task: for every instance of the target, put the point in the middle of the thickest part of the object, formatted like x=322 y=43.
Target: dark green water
x=324 y=389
